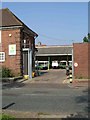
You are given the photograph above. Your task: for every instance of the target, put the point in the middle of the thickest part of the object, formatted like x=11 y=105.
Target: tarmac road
x=48 y=98
x=62 y=100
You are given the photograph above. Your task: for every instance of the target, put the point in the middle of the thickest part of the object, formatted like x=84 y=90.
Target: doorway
x=25 y=62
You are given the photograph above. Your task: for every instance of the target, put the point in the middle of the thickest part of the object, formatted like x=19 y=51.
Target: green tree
x=87 y=39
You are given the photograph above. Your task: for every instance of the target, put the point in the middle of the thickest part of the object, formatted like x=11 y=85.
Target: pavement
x=51 y=80
x=41 y=116
x=56 y=76
x=77 y=82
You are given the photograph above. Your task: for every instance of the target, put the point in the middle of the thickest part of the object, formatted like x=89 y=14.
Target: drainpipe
x=72 y=65
x=30 y=63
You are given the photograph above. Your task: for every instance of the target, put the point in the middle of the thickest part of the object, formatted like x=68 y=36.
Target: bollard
x=70 y=77
x=33 y=74
x=26 y=77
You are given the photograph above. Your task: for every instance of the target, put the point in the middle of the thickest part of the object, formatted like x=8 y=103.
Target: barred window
x=2 y=56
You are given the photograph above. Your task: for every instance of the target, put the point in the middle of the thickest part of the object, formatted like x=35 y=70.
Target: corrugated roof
x=54 y=50
x=10 y=20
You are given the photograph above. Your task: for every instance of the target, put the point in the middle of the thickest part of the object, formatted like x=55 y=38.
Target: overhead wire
x=51 y=38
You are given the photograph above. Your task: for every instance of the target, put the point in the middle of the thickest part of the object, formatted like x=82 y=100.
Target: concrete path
x=77 y=82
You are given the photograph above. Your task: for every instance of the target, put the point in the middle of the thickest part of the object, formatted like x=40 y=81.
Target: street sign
x=76 y=64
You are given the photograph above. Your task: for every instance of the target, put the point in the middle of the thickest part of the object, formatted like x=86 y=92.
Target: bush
x=7 y=117
x=6 y=72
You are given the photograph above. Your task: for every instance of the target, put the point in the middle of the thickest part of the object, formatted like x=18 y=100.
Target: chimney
x=39 y=43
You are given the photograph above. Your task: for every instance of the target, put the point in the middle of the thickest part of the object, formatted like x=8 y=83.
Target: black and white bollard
x=70 y=77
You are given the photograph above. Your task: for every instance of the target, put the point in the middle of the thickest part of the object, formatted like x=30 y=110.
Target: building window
x=2 y=56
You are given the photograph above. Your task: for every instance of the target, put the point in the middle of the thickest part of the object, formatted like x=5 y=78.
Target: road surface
x=46 y=98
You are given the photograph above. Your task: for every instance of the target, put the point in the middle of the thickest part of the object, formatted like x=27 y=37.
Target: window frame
x=2 y=56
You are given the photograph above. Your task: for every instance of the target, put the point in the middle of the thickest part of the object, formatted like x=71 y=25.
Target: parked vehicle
x=41 y=65
x=63 y=64
x=55 y=64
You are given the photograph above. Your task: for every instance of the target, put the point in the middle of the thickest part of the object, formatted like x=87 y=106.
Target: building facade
x=15 y=36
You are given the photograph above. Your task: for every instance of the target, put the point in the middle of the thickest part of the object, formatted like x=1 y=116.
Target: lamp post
x=72 y=65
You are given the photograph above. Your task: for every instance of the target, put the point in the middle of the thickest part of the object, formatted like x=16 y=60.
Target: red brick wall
x=12 y=62
x=89 y=60
x=15 y=62
x=82 y=57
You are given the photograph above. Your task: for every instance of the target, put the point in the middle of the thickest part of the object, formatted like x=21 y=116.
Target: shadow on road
x=84 y=99
x=14 y=84
x=42 y=72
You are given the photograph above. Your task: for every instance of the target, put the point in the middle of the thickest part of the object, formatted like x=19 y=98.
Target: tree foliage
x=87 y=38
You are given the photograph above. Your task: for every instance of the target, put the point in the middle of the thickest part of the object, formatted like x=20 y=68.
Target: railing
x=25 y=46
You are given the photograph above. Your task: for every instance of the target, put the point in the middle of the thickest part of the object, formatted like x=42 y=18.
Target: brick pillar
x=82 y=58
x=89 y=60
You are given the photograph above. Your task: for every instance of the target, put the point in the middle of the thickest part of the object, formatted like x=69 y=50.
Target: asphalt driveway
x=50 y=76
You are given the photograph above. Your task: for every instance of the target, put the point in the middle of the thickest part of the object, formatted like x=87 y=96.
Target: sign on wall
x=76 y=64
x=12 y=49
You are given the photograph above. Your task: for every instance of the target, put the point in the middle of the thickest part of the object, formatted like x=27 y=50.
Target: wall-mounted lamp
x=10 y=35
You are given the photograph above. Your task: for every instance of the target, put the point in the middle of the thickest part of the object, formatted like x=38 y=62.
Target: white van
x=55 y=64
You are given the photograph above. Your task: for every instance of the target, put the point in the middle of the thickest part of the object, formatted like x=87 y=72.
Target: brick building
x=15 y=36
x=81 y=60
x=80 y=57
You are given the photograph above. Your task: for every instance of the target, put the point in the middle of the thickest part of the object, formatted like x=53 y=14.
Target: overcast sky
x=59 y=23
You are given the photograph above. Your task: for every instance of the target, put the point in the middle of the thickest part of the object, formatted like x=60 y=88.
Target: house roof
x=10 y=20
x=54 y=50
